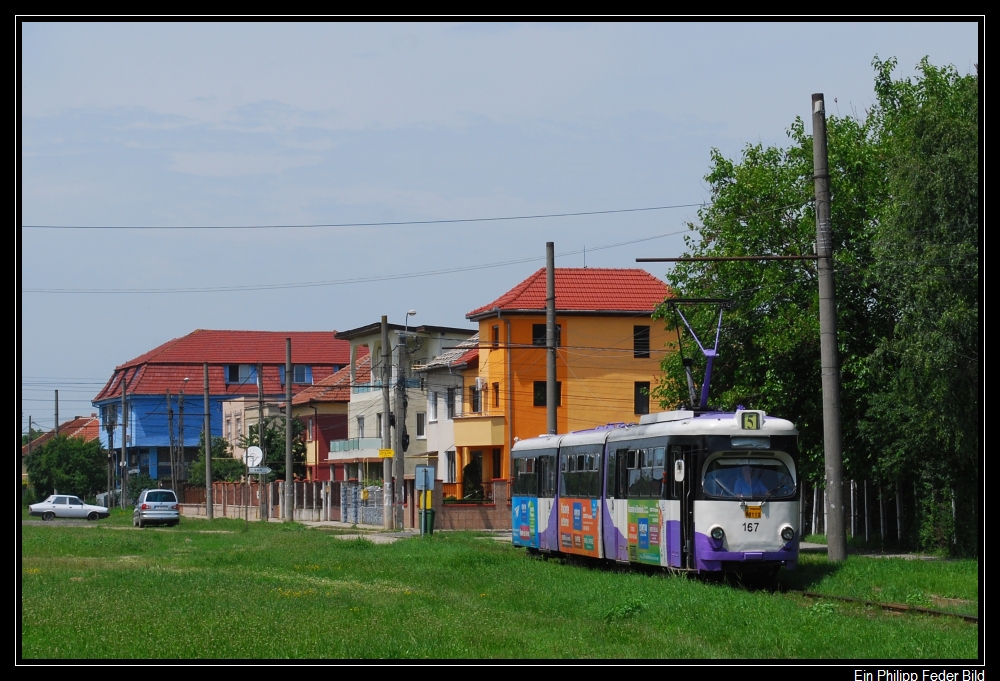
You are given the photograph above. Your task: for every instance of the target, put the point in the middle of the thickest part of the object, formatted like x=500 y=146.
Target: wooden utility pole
x=289 y=479
x=388 y=522
x=209 y=510
x=835 y=536
x=551 y=386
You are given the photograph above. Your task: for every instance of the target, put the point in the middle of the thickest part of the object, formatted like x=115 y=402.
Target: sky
x=244 y=125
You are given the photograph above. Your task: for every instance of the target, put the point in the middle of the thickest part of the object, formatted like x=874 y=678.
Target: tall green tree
x=68 y=464
x=769 y=354
x=927 y=266
x=905 y=226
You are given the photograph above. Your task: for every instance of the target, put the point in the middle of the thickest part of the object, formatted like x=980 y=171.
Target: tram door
x=681 y=541
x=615 y=533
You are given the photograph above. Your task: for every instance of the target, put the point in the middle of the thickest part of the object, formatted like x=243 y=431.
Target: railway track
x=898 y=607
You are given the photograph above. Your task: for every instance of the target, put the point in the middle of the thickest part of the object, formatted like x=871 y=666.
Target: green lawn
x=212 y=590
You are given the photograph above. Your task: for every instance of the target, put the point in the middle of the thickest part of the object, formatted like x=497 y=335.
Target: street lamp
x=406 y=324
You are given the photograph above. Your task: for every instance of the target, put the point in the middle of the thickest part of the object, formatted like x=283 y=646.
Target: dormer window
x=241 y=374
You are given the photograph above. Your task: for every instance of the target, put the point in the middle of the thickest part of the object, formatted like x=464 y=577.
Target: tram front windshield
x=748 y=479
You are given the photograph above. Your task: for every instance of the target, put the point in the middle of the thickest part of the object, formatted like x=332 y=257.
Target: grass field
x=212 y=590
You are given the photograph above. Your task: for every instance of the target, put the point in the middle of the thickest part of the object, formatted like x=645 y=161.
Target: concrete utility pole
x=397 y=459
x=170 y=438
x=260 y=439
x=289 y=480
x=57 y=413
x=124 y=445
x=550 y=337
x=835 y=535
x=180 y=425
x=209 y=510
x=387 y=517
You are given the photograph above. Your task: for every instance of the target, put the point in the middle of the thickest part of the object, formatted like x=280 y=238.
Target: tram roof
x=710 y=423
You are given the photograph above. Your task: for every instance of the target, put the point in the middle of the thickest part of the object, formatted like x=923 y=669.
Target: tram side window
x=646 y=469
x=580 y=475
x=525 y=477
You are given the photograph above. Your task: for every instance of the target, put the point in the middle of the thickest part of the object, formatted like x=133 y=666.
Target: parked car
x=156 y=507
x=66 y=506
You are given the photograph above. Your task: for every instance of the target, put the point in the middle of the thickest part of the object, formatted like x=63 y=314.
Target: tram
x=697 y=491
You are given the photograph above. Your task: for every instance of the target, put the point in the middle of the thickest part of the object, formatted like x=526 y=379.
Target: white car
x=66 y=506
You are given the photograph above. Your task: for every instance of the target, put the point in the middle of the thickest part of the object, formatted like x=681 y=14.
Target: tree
x=769 y=357
x=928 y=266
x=224 y=467
x=274 y=446
x=905 y=226
x=33 y=434
x=68 y=464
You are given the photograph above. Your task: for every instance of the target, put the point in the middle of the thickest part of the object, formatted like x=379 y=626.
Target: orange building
x=608 y=357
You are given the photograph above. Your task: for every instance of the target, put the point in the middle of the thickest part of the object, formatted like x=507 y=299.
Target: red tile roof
x=335 y=388
x=165 y=367
x=582 y=289
x=86 y=427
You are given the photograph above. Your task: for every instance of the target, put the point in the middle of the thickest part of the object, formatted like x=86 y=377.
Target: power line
x=399 y=223
x=338 y=282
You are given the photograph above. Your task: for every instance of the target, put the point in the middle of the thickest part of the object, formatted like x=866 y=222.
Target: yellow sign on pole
x=386 y=453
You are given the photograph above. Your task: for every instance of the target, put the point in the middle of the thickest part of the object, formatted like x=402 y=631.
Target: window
x=640 y=342
x=421 y=424
x=746 y=478
x=241 y=374
x=450 y=456
x=474 y=404
x=538 y=334
x=432 y=406
x=496 y=336
x=646 y=472
x=361 y=426
x=450 y=396
x=378 y=425
x=540 y=395
x=496 y=464
x=642 y=397
x=496 y=394
x=239 y=428
x=300 y=374
x=525 y=478
x=310 y=430
x=229 y=430
x=581 y=467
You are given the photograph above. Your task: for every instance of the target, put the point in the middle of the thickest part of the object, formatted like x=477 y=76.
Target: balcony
x=354 y=449
x=355 y=443
x=480 y=430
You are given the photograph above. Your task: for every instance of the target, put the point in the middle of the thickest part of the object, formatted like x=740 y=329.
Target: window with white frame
x=421 y=424
x=432 y=406
x=361 y=426
x=378 y=425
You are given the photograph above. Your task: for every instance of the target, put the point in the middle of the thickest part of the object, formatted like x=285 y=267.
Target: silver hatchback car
x=156 y=507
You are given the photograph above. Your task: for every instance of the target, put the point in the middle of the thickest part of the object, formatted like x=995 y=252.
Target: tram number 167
x=751 y=527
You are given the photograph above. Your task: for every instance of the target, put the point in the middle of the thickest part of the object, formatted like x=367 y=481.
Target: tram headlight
x=717 y=533
x=787 y=533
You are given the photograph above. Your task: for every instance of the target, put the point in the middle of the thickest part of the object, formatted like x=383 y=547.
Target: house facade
x=443 y=382
x=176 y=368
x=409 y=347
x=323 y=408
x=607 y=359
